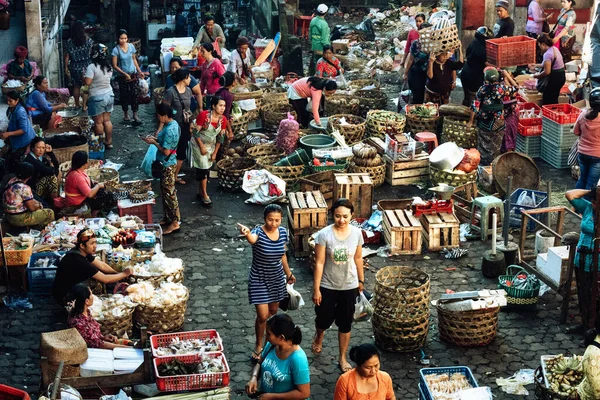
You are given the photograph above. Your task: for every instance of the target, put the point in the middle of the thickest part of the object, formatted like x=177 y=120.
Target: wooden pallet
x=407 y=172
x=321 y=181
x=308 y=209
x=358 y=188
x=402 y=231
x=299 y=237
x=440 y=230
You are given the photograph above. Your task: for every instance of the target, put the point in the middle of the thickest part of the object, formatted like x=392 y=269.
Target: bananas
x=564 y=374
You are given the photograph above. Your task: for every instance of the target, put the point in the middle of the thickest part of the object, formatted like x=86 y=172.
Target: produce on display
x=424 y=112
x=22 y=242
x=167 y=294
x=287 y=135
x=158 y=265
x=366 y=155
x=563 y=374
x=176 y=367
x=470 y=161
x=447 y=386
x=140 y=292
x=114 y=306
x=189 y=346
x=124 y=237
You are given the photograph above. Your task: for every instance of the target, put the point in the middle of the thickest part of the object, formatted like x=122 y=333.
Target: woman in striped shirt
x=270 y=270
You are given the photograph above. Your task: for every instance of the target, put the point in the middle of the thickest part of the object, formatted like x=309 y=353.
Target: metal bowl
x=442 y=191
x=446 y=156
x=68 y=113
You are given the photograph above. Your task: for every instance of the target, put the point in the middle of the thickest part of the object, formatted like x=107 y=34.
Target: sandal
x=345 y=368
x=109 y=146
x=180 y=181
x=255 y=357
x=316 y=347
x=126 y=119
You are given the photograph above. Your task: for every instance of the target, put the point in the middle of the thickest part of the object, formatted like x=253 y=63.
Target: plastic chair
x=302 y=22
x=429 y=138
x=485 y=205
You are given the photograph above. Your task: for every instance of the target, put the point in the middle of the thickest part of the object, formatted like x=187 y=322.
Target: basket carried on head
x=353 y=130
x=264 y=150
x=162 y=319
x=451 y=178
x=342 y=104
x=439 y=40
x=275 y=95
x=289 y=173
x=457 y=131
x=416 y=123
x=273 y=113
x=377 y=173
x=401 y=308
x=361 y=84
x=19 y=89
x=468 y=328
x=157 y=94
x=231 y=172
x=521 y=287
x=380 y=123
x=371 y=100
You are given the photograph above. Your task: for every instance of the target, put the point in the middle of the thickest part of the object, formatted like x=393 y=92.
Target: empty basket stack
x=557 y=133
x=529 y=138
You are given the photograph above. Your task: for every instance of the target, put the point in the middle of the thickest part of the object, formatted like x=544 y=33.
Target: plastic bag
x=149 y=158
x=144 y=87
x=516 y=383
x=525 y=200
x=296 y=301
x=264 y=187
x=363 y=310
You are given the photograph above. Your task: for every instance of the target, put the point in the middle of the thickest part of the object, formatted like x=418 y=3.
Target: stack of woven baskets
x=468 y=328
x=366 y=160
x=458 y=131
x=369 y=95
x=401 y=308
x=64 y=346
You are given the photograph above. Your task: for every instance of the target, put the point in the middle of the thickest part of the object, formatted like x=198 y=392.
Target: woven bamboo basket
x=359 y=84
x=68 y=371
x=66 y=153
x=380 y=123
x=457 y=131
x=137 y=43
x=468 y=328
x=416 y=124
x=156 y=280
x=542 y=392
x=376 y=173
x=120 y=326
x=81 y=122
x=246 y=92
x=275 y=95
x=371 y=100
x=16 y=257
x=401 y=308
x=439 y=40
x=103 y=175
x=157 y=95
x=342 y=104
x=451 y=178
x=289 y=173
x=64 y=167
x=19 y=89
x=231 y=172
x=65 y=345
x=239 y=125
x=161 y=319
x=353 y=130
x=273 y=113
x=264 y=150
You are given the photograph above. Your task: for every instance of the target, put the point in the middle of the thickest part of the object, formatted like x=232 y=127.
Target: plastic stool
x=302 y=22
x=428 y=138
x=485 y=204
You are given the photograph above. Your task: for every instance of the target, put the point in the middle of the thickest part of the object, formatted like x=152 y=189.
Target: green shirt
x=319 y=33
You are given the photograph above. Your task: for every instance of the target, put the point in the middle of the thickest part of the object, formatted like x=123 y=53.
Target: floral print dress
x=79 y=59
x=327 y=69
x=488 y=105
x=88 y=328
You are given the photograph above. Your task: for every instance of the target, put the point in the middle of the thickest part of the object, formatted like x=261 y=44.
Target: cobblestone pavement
x=217 y=263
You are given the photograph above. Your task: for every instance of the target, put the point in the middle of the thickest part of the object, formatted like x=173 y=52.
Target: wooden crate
x=407 y=172
x=299 y=237
x=308 y=209
x=378 y=143
x=463 y=200
x=440 y=230
x=402 y=231
x=321 y=181
x=358 y=188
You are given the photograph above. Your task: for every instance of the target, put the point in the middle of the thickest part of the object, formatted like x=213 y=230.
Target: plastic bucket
x=543 y=240
x=317 y=141
x=298 y=157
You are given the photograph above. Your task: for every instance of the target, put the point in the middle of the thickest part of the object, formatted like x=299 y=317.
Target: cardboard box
x=341 y=45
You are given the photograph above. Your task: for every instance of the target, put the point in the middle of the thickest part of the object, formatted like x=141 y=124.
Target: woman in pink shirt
x=313 y=88
x=412 y=36
x=587 y=128
x=212 y=70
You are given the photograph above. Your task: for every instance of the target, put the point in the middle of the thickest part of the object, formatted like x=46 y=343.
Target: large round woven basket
x=275 y=95
x=120 y=326
x=457 y=131
x=246 y=92
x=273 y=113
x=103 y=175
x=376 y=173
x=161 y=319
x=240 y=125
x=66 y=153
x=380 y=123
x=342 y=104
x=157 y=95
x=360 y=84
x=264 y=150
x=289 y=173
x=353 y=130
x=401 y=308
x=371 y=100
x=468 y=328
x=416 y=124
x=82 y=122
x=231 y=172
x=156 y=280
x=451 y=178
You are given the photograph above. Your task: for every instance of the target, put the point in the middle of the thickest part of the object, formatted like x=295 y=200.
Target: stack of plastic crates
x=557 y=133
x=529 y=139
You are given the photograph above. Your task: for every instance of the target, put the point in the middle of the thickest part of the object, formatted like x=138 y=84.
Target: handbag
x=158 y=166
x=573 y=152
x=188 y=116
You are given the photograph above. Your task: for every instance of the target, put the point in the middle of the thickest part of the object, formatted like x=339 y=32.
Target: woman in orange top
x=365 y=381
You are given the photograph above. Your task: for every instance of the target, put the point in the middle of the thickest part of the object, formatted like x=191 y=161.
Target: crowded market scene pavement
x=432 y=275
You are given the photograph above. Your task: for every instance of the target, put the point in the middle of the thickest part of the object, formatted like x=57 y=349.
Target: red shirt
x=412 y=36
x=203 y=119
x=77 y=187
x=88 y=328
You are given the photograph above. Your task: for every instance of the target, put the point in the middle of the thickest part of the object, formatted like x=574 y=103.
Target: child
x=441 y=74
x=207 y=138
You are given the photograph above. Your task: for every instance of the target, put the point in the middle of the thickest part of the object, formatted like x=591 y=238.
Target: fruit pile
x=124 y=237
x=564 y=374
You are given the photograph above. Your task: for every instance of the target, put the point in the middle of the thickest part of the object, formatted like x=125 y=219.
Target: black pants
x=184 y=141
x=128 y=94
x=338 y=306
x=416 y=82
x=300 y=108
x=556 y=81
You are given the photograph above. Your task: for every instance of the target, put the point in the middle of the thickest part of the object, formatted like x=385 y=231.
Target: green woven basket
x=340 y=165
x=528 y=295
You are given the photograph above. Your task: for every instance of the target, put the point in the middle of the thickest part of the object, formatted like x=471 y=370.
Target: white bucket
x=543 y=242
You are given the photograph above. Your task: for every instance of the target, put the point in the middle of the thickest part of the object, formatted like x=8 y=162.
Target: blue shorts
x=100 y=104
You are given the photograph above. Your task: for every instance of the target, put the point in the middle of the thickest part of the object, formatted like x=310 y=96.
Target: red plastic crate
x=561 y=113
x=529 y=106
x=10 y=393
x=191 y=382
x=511 y=51
x=529 y=127
x=144 y=211
x=375 y=239
x=165 y=339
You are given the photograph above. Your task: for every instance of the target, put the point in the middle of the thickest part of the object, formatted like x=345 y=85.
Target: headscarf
x=491 y=75
x=21 y=52
x=99 y=51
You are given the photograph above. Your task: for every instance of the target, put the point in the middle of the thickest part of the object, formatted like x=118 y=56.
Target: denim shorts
x=100 y=104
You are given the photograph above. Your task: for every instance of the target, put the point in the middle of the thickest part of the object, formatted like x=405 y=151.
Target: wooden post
x=566 y=291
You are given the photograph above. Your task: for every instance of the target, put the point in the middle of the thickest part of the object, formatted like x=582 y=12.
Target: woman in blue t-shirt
x=124 y=61
x=284 y=367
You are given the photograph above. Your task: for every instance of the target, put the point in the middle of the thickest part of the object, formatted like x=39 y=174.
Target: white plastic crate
x=530 y=145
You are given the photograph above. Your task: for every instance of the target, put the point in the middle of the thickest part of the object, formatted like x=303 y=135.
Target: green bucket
x=318 y=141
x=298 y=157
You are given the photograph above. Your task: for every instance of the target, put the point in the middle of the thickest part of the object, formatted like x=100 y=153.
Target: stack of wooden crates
x=307 y=214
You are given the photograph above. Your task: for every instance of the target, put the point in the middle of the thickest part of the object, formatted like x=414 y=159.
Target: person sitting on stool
x=80 y=264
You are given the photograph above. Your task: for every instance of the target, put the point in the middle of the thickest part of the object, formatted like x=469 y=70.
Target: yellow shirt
x=589 y=388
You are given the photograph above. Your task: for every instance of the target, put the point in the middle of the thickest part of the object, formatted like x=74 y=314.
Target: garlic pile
x=168 y=294
x=140 y=292
x=158 y=265
x=114 y=306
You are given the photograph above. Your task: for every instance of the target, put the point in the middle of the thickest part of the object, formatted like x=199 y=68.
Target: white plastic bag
x=259 y=183
x=362 y=309
x=296 y=301
x=525 y=200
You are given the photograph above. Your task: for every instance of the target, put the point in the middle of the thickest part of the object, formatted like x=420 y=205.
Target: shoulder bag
x=187 y=114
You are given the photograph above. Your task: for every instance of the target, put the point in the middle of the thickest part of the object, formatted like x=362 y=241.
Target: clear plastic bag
x=363 y=310
x=296 y=301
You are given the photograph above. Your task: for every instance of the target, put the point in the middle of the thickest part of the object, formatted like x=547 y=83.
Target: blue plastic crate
x=426 y=392
x=97 y=155
x=41 y=279
x=541 y=201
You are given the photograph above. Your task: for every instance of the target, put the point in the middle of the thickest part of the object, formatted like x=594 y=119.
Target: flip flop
x=172 y=232
x=109 y=146
x=345 y=368
x=255 y=357
x=315 y=347
x=180 y=181
x=126 y=119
